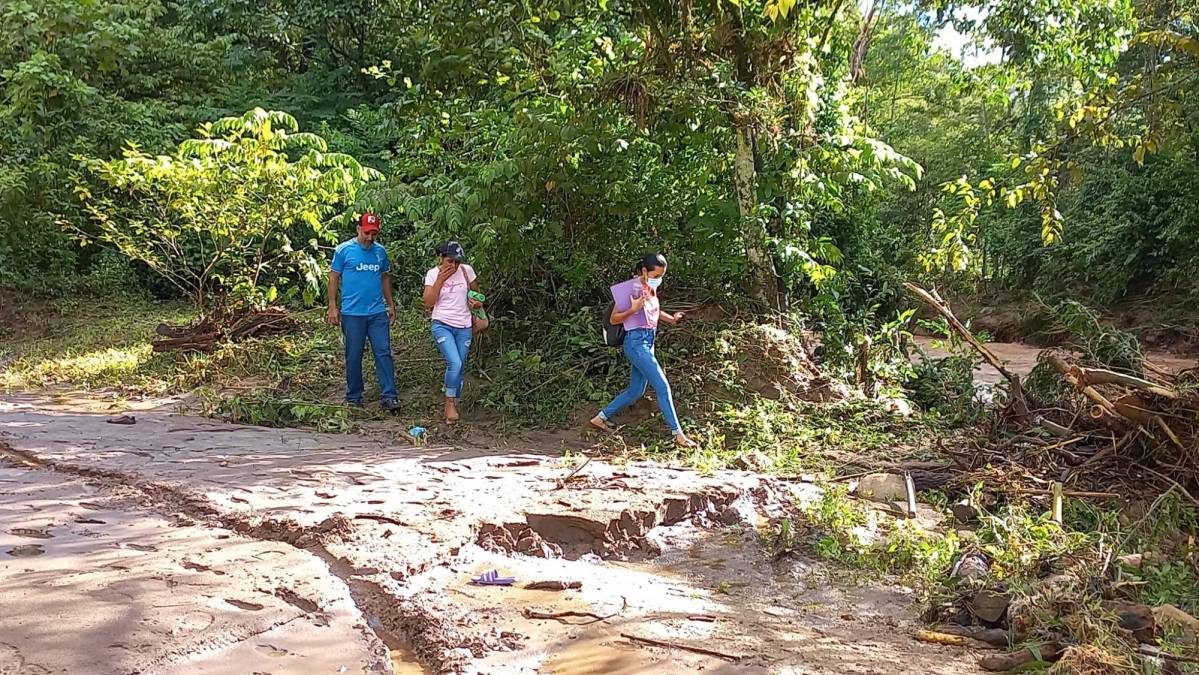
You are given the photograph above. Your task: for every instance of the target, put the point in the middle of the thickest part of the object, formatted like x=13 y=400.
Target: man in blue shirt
x=362 y=274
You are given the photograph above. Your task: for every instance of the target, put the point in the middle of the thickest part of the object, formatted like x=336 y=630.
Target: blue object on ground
x=416 y=432
x=493 y=578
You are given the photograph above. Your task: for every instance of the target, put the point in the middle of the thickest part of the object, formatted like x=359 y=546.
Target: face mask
x=654 y=283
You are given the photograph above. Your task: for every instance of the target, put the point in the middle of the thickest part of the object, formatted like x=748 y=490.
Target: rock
x=753 y=461
x=1138 y=560
x=883 y=487
x=898 y=406
x=1178 y=622
x=971 y=566
x=964 y=512
x=1133 y=560
x=989 y=605
x=729 y=516
x=1136 y=619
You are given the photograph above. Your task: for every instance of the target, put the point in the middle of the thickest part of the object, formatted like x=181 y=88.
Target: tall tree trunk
x=763 y=282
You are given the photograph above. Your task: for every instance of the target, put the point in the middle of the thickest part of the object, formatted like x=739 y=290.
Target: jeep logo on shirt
x=363 y=267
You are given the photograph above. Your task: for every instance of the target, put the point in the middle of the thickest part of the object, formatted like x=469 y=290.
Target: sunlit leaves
x=221 y=218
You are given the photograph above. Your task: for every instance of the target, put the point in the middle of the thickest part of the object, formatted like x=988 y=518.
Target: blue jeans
x=356 y=330
x=639 y=349
x=454 y=344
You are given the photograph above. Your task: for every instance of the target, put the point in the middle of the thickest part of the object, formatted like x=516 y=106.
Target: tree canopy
x=798 y=155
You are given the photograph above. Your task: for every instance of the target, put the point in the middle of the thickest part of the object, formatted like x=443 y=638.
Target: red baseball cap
x=369 y=222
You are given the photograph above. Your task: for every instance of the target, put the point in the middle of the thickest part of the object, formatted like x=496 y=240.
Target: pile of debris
x=1101 y=430
x=1102 y=423
x=206 y=333
x=988 y=616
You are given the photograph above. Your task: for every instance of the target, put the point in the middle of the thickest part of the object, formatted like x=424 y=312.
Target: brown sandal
x=600 y=426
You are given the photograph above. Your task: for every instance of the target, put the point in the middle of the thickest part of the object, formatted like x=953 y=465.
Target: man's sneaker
x=391 y=406
x=354 y=404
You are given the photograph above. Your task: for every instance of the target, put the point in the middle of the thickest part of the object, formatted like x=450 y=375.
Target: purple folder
x=622 y=295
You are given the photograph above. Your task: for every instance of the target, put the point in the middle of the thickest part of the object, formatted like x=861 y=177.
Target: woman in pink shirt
x=446 y=288
x=641 y=328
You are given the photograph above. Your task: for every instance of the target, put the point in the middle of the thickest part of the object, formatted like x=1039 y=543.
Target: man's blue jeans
x=454 y=345
x=639 y=349
x=357 y=329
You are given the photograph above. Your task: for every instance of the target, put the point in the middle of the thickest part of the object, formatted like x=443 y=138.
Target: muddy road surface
x=185 y=545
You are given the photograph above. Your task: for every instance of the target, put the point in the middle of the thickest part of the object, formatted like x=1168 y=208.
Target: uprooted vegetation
x=1070 y=528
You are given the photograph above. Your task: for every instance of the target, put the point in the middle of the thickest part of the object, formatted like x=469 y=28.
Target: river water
x=1020 y=358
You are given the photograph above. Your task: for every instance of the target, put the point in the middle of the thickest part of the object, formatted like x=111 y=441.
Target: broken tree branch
x=687 y=648
x=1017 y=402
x=558 y=616
x=1065 y=493
x=1148 y=650
x=1101 y=376
x=941 y=638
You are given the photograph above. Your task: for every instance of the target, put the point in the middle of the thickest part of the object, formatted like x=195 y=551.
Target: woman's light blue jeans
x=454 y=344
x=639 y=349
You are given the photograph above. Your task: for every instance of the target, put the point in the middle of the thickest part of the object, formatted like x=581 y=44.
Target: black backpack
x=613 y=332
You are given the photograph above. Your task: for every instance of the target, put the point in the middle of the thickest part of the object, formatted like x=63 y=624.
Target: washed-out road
x=186 y=545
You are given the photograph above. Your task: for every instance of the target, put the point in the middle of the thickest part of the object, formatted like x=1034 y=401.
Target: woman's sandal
x=600 y=425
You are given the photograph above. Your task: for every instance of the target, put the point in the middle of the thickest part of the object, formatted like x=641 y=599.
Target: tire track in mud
x=402 y=630
x=402 y=622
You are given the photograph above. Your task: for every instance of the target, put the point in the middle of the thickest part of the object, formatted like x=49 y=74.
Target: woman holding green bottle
x=449 y=288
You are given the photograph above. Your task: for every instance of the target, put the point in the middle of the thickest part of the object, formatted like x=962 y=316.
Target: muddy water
x=403 y=662
x=1021 y=358
x=599 y=655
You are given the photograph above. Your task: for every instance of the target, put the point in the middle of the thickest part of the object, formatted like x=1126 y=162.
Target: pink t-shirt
x=452 y=308
x=651 y=308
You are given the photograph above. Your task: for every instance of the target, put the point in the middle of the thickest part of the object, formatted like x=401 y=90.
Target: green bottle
x=477 y=297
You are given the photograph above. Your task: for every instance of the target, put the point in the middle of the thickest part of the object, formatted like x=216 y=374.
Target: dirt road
x=180 y=544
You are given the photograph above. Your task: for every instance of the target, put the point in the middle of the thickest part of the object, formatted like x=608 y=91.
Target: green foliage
x=546 y=382
x=264 y=409
x=230 y=217
x=1175 y=583
x=1021 y=541
x=80 y=78
x=1100 y=345
x=846 y=533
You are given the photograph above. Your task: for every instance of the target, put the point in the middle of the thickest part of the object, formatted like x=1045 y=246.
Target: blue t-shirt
x=361 y=271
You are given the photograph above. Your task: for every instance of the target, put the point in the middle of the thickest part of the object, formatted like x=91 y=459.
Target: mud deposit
x=185 y=545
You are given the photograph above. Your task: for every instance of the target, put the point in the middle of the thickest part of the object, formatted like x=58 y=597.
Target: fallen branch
x=1065 y=493
x=380 y=518
x=687 y=648
x=1004 y=662
x=992 y=636
x=1175 y=483
x=558 y=616
x=554 y=585
x=1103 y=407
x=562 y=482
x=1053 y=427
x=1101 y=376
x=1148 y=650
x=939 y=638
x=1016 y=395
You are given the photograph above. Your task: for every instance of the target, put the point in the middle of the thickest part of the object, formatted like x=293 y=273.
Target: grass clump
x=1066 y=581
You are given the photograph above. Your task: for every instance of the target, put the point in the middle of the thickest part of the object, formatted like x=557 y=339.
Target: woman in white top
x=446 y=288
